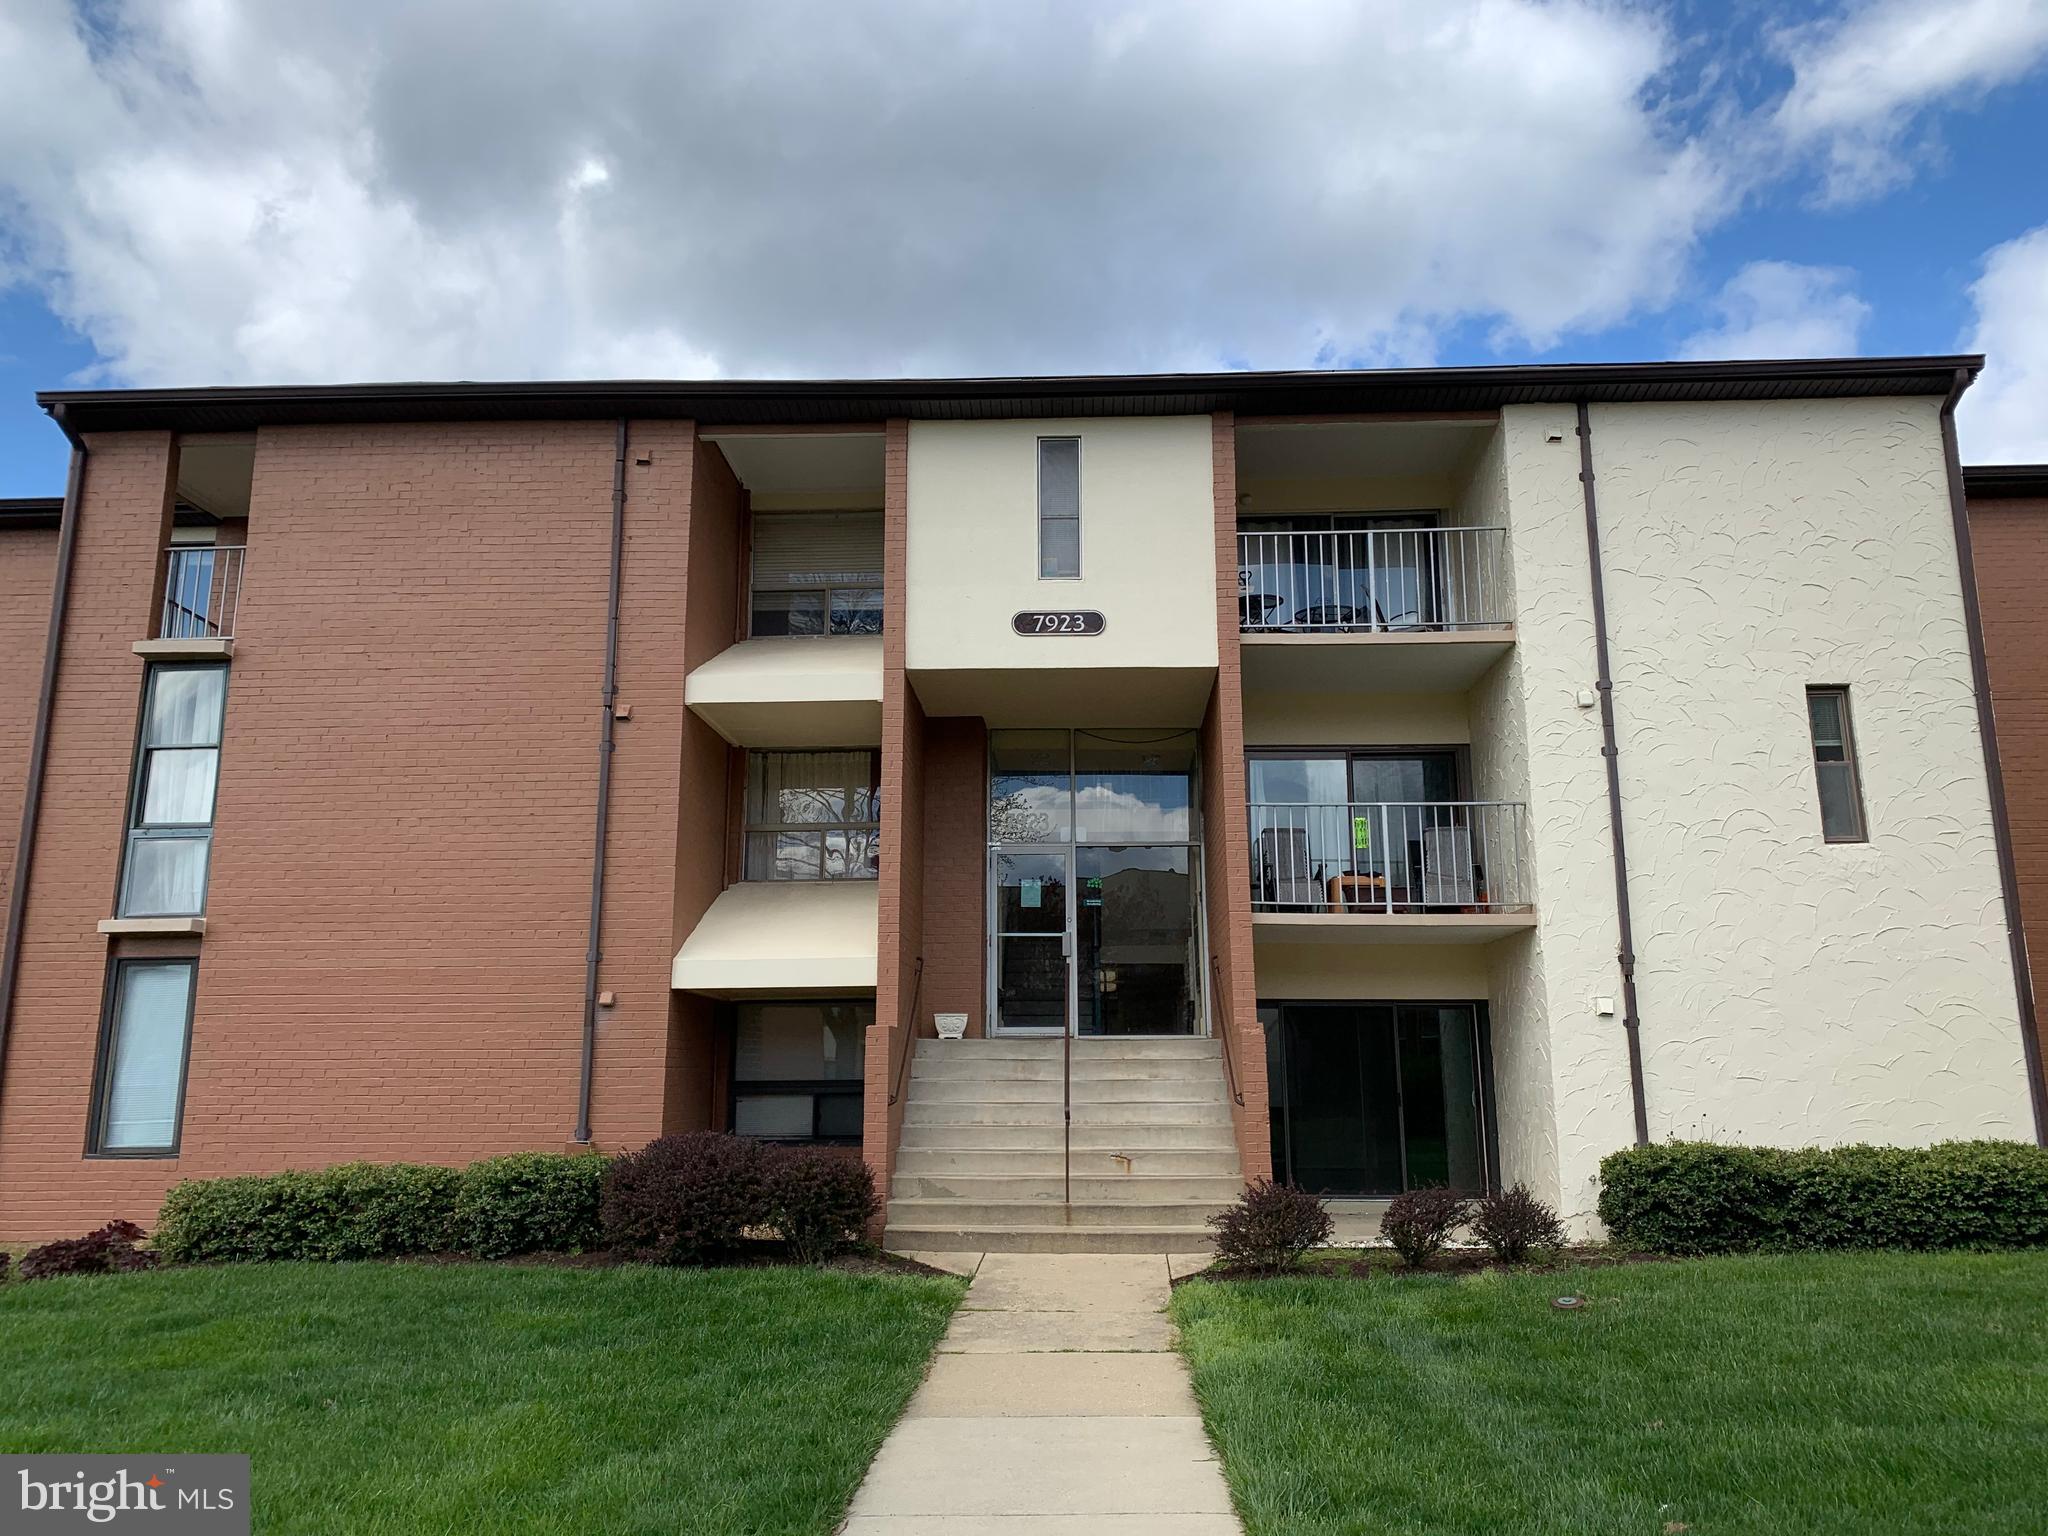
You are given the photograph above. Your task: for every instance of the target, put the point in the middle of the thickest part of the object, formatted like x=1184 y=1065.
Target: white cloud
x=227 y=190
x=2004 y=418
x=1782 y=309
x=1863 y=77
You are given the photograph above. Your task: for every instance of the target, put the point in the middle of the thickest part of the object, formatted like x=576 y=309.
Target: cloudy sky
x=255 y=191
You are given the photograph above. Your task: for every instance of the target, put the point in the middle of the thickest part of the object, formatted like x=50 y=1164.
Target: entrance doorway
x=1094 y=884
x=1371 y=1099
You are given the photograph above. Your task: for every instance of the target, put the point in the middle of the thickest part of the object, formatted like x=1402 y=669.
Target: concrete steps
x=984 y=1162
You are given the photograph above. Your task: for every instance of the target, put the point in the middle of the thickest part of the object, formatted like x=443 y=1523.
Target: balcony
x=1429 y=606
x=202 y=596
x=1402 y=871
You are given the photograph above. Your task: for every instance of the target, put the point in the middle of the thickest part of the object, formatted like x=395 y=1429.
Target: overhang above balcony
x=784 y=692
x=783 y=938
x=1388 y=927
x=1388 y=661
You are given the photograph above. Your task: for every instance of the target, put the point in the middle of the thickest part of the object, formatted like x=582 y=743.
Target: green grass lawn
x=1825 y=1393
x=400 y=1398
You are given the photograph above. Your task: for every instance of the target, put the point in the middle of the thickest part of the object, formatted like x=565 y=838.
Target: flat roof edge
x=792 y=402
x=1995 y=482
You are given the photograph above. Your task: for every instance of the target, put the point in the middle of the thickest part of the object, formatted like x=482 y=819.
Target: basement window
x=798 y=1068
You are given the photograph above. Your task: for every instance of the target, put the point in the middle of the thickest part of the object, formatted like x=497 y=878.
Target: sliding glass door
x=1370 y=1099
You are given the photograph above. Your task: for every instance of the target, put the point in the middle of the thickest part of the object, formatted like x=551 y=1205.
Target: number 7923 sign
x=1057 y=621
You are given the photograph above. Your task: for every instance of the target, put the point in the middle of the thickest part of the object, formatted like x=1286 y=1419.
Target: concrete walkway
x=1055 y=1407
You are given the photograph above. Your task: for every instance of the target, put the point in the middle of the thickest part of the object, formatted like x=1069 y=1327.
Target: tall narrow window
x=812 y=815
x=1834 y=765
x=1059 y=507
x=170 y=827
x=140 y=1085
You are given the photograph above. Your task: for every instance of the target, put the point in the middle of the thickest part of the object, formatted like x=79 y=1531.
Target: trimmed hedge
x=354 y=1211
x=529 y=1202
x=1697 y=1197
x=818 y=1201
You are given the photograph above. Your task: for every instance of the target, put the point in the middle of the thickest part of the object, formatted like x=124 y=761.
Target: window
x=177 y=762
x=1834 y=765
x=797 y=1070
x=817 y=573
x=812 y=815
x=1059 y=507
x=139 y=1087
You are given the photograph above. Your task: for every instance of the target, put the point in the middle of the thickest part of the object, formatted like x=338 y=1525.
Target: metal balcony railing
x=1383 y=579
x=202 y=592
x=1379 y=856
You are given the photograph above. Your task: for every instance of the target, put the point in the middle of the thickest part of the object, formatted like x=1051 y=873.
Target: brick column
x=1226 y=856
x=899 y=938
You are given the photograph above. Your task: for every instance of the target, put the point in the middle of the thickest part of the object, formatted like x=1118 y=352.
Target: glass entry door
x=1094 y=883
x=1100 y=939
x=1034 y=942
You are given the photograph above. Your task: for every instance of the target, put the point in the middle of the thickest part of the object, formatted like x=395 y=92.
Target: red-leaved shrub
x=1513 y=1221
x=1269 y=1227
x=109 y=1251
x=820 y=1201
x=1418 y=1222
x=684 y=1199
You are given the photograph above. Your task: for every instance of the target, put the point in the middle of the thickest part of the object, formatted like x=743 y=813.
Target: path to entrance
x=1055 y=1407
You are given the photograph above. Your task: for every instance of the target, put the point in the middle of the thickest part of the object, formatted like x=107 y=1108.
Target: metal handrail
x=1067 y=1112
x=1372 y=580
x=1229 y=1065
x=202 y=591
x=909 y=1023
x=1388 y=856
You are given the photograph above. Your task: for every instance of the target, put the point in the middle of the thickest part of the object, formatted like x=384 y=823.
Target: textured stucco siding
x=1792 y=991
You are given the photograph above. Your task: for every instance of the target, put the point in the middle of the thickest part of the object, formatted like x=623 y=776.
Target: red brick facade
x=399 y=902
x=2009 y=541
x=28 y=567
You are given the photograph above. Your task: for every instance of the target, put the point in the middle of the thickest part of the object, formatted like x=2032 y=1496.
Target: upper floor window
x=1059 y=507
x=817 y=573
x=1834 y=766
x=177 y=768
x=813 y=815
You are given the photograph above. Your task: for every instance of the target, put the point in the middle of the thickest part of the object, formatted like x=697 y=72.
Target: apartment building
x=2008 y=507
x=1369 y=779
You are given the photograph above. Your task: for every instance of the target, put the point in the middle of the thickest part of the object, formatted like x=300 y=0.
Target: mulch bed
x=761 y=1255
x=1385 y=1264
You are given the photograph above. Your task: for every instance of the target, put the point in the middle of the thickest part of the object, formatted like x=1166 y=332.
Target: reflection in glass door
x=1138 y=969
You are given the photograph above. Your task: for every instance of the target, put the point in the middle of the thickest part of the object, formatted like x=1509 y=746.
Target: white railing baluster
x=1377 y=579
x=1419 y=856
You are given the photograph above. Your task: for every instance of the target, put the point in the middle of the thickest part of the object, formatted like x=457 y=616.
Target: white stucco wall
x=1792 y=991
x=1148 y=544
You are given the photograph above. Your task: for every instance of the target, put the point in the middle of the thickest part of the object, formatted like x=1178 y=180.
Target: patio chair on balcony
x=1286 y=878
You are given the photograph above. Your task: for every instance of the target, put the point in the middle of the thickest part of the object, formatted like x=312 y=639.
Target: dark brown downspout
x=39 y=746
x=1631 y=1023
x=1987 y=731
x=607 y=732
